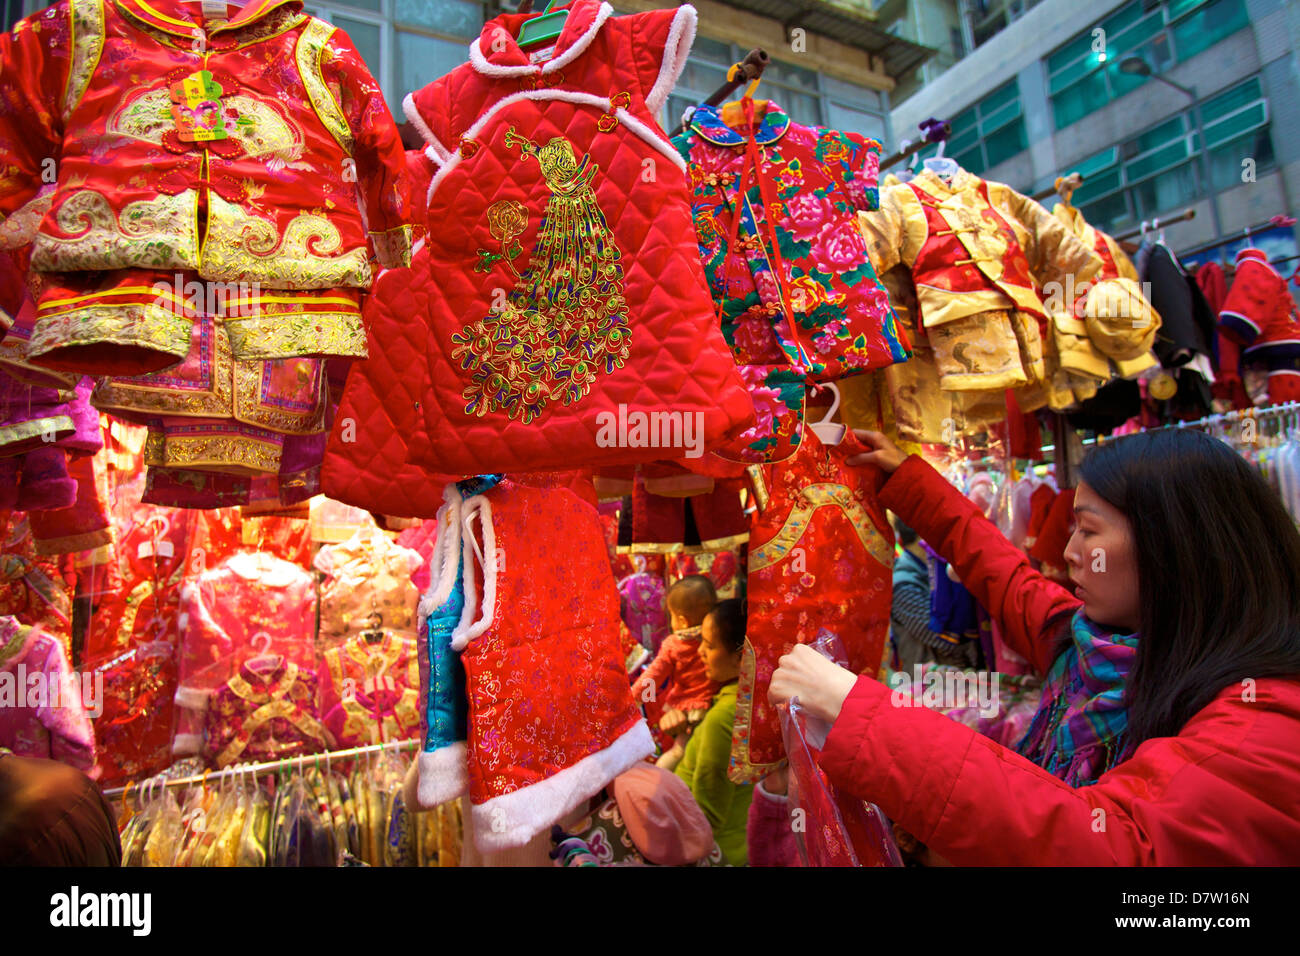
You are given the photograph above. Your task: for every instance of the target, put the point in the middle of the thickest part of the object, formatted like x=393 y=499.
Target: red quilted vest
x=565 y=297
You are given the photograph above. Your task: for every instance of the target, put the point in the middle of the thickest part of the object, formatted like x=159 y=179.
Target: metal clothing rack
x=1222 y=418
x=1157 y=223
x=1247 y=234
x=263 y=769
x=746 y=71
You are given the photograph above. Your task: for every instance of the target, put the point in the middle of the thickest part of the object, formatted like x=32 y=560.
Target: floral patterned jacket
x=799 y=300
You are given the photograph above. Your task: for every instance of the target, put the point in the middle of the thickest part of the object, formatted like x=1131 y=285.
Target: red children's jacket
x=1225 y=791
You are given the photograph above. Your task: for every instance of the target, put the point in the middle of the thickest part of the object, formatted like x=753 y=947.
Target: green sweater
x=704 y=768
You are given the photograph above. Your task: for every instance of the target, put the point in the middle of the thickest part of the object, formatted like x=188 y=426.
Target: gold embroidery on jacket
x=87 y=45
x=259 y=129
x=309 y=54
x=393 y=248
x=566 y=319
x=235 y=454
x=796 y=523
x=151 y=233
x=147 y=326
x=246 y=248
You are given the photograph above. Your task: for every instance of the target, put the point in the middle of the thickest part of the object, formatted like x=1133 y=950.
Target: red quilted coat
x=1225 y=791
x=565 y=297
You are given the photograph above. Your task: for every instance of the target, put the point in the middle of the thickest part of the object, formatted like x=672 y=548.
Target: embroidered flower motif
x=838 y=247
x=467 y=148
x=506 y=219
x=805 y=215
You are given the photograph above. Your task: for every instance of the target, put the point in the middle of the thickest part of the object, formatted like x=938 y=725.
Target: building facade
x=1046 y=96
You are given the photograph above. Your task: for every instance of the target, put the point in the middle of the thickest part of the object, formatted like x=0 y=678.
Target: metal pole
x=274 y=766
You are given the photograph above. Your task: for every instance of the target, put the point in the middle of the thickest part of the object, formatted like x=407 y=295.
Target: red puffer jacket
x=1225 y=791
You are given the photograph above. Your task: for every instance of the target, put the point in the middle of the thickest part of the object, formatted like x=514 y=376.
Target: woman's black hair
x=729 y=619
x=1218 y=560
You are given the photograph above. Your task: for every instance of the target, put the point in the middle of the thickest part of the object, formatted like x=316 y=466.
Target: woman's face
x=720 y=664
x=1103 y=562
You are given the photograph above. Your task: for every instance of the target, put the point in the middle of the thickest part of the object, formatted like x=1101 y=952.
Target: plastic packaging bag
x=836 y=829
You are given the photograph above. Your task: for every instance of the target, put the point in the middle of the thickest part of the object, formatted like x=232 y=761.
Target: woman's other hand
x=820 y=685
x=884 y=454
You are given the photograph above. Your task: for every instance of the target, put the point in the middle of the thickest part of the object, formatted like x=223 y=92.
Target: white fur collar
x=574 y=50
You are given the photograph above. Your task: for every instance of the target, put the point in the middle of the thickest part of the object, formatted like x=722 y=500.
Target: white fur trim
x=681 y=37
x=419 y=244
x=654 y=139
x=435 y=150
x=195 y=698
x=186 y=745
x=443 y=775
x=512 y=819
x=579 y=45
x=442 y=565
x=466 y=632
x=583 y=99
x=487 y=68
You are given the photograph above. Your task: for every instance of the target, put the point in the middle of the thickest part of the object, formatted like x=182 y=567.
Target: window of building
x=1084 y=74
x=989 y=132
x=1157 y=171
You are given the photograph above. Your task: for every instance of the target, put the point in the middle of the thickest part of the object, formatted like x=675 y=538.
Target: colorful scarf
x=1079 y=731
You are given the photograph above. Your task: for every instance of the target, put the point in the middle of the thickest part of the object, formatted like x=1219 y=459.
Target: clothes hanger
x=733 y=113
x=827 y=431
x=375 y=632
x=265 y=661
x=941 y=165
x=547 y=25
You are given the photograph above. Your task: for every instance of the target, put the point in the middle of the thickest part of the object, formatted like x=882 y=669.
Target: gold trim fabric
x=309 y=54
x=393 y=248
x=821 y=495
x=150 y=327
x=87 y=19
x=22 y=431
x=294 y=334
x=242 y=247
x=159 y=233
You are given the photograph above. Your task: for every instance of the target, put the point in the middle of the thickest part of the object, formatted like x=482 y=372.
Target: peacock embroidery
x=565 y=321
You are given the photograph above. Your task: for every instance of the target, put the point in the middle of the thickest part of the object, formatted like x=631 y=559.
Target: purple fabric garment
x=24 y=408
x=45 y=717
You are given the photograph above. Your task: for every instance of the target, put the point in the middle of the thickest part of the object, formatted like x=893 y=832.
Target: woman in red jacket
x=1181 y=746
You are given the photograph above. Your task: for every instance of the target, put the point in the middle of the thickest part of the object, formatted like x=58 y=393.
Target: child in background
x=708 y=753
x=689 y=690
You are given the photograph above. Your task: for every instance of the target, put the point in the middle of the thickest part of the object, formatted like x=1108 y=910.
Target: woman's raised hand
x=885 y=455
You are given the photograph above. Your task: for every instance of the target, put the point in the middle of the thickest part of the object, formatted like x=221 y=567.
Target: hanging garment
x=365 y=575
x=441 y=765
x=644 y=599
x=42 y=705
x=821 y=556
x=980 y=253
x=576 y=302
x=368 y=458
x=1260 y=315
x=268 y=715
x=723 y=568
x=34 y=588
x=1228 y=386
x=268 y=121
x=214 y=413
x=134 y=732
x=1109 y=327
x=223 y=613
x=551 y=715
x=370 y=692
x=715 y=521
x=795 y=292
x=81 y=527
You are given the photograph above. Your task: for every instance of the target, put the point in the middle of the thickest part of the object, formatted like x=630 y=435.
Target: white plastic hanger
x=265 y=661
x=827 y=431
x=941 y=165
